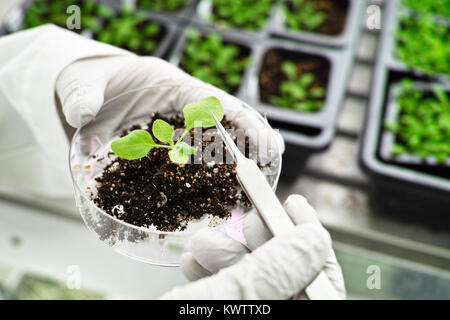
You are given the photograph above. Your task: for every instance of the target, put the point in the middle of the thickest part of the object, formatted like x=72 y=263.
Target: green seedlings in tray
x=45 y=11
x=303 y=15
x=131 y=31
x=423 y=125
x=138 y=143
x=300 y=91
x=213 y=61
x=244 y=14
x=438 y=7
x=423 y=44
x=162 y=5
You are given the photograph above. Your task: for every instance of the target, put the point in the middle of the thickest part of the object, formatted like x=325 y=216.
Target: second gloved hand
x=264 y=268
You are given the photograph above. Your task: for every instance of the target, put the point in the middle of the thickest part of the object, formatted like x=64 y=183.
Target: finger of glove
x=277 y=270
x=309 y=215
x=334 y=273
x=191 y=268
x=81 y=87
x=298 y=209
x=212 y=250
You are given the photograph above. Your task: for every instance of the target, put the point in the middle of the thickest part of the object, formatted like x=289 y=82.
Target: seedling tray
x=350 y=31
x=410 y=191
x=392 y=23
x=388 y=137
x=14 y=20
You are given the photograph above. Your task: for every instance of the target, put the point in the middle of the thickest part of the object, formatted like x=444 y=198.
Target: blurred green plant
x=438 y=7
x=45 y=11
x=244 y=14
x=300 y=91
x=162 y=5
x=423 y=125
x=302 y=15
x=213 y=61
x=423 y=44
x=131 y=31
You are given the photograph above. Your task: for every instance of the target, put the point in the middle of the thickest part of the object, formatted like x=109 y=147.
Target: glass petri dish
x=89 y=155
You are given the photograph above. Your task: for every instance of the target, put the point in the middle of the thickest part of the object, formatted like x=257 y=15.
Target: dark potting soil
x=154 y=191
x=271 y=75
x=336 y=15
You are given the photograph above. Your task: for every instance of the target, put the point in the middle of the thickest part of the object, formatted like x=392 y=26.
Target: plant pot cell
x=421 y=127
x=214 y=60
x=319 y=16
x=294 y=80
x=132 y=32
x=414 y=38
x=242 y=14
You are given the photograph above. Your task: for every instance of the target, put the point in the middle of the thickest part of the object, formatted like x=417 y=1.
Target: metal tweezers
x=270 y=209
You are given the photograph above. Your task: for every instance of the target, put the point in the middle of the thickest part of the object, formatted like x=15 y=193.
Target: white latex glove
x=277 y=268
x=85 y=85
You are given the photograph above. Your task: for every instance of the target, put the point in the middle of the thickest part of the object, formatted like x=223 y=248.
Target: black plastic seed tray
x=414 y=191
x=350 y=29
x=14 y=20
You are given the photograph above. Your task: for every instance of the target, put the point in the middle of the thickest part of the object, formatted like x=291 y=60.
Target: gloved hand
x=86 y=84
x=264 y=268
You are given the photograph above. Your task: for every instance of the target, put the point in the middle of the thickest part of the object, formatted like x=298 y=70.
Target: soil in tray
x=271 y=74
x=335 y=15
x=154 y=191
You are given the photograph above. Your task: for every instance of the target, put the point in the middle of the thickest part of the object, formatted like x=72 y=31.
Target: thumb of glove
x=81 y=96
x=81 y=86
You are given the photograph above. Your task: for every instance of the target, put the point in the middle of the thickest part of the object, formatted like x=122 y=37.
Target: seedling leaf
x=163 y=131
x=200 y=112
x=135 y=145
x=181 y=153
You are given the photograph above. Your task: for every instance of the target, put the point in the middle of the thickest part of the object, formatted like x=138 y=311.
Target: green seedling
x=438 y=7
x=423 y=44
x=244 y=14
x=423 y=125
x=45 y=11
x=138 y=143
x=300 y=91
x=213 y=61
x=302 y=15
x=162 y=5
x=131 y=31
